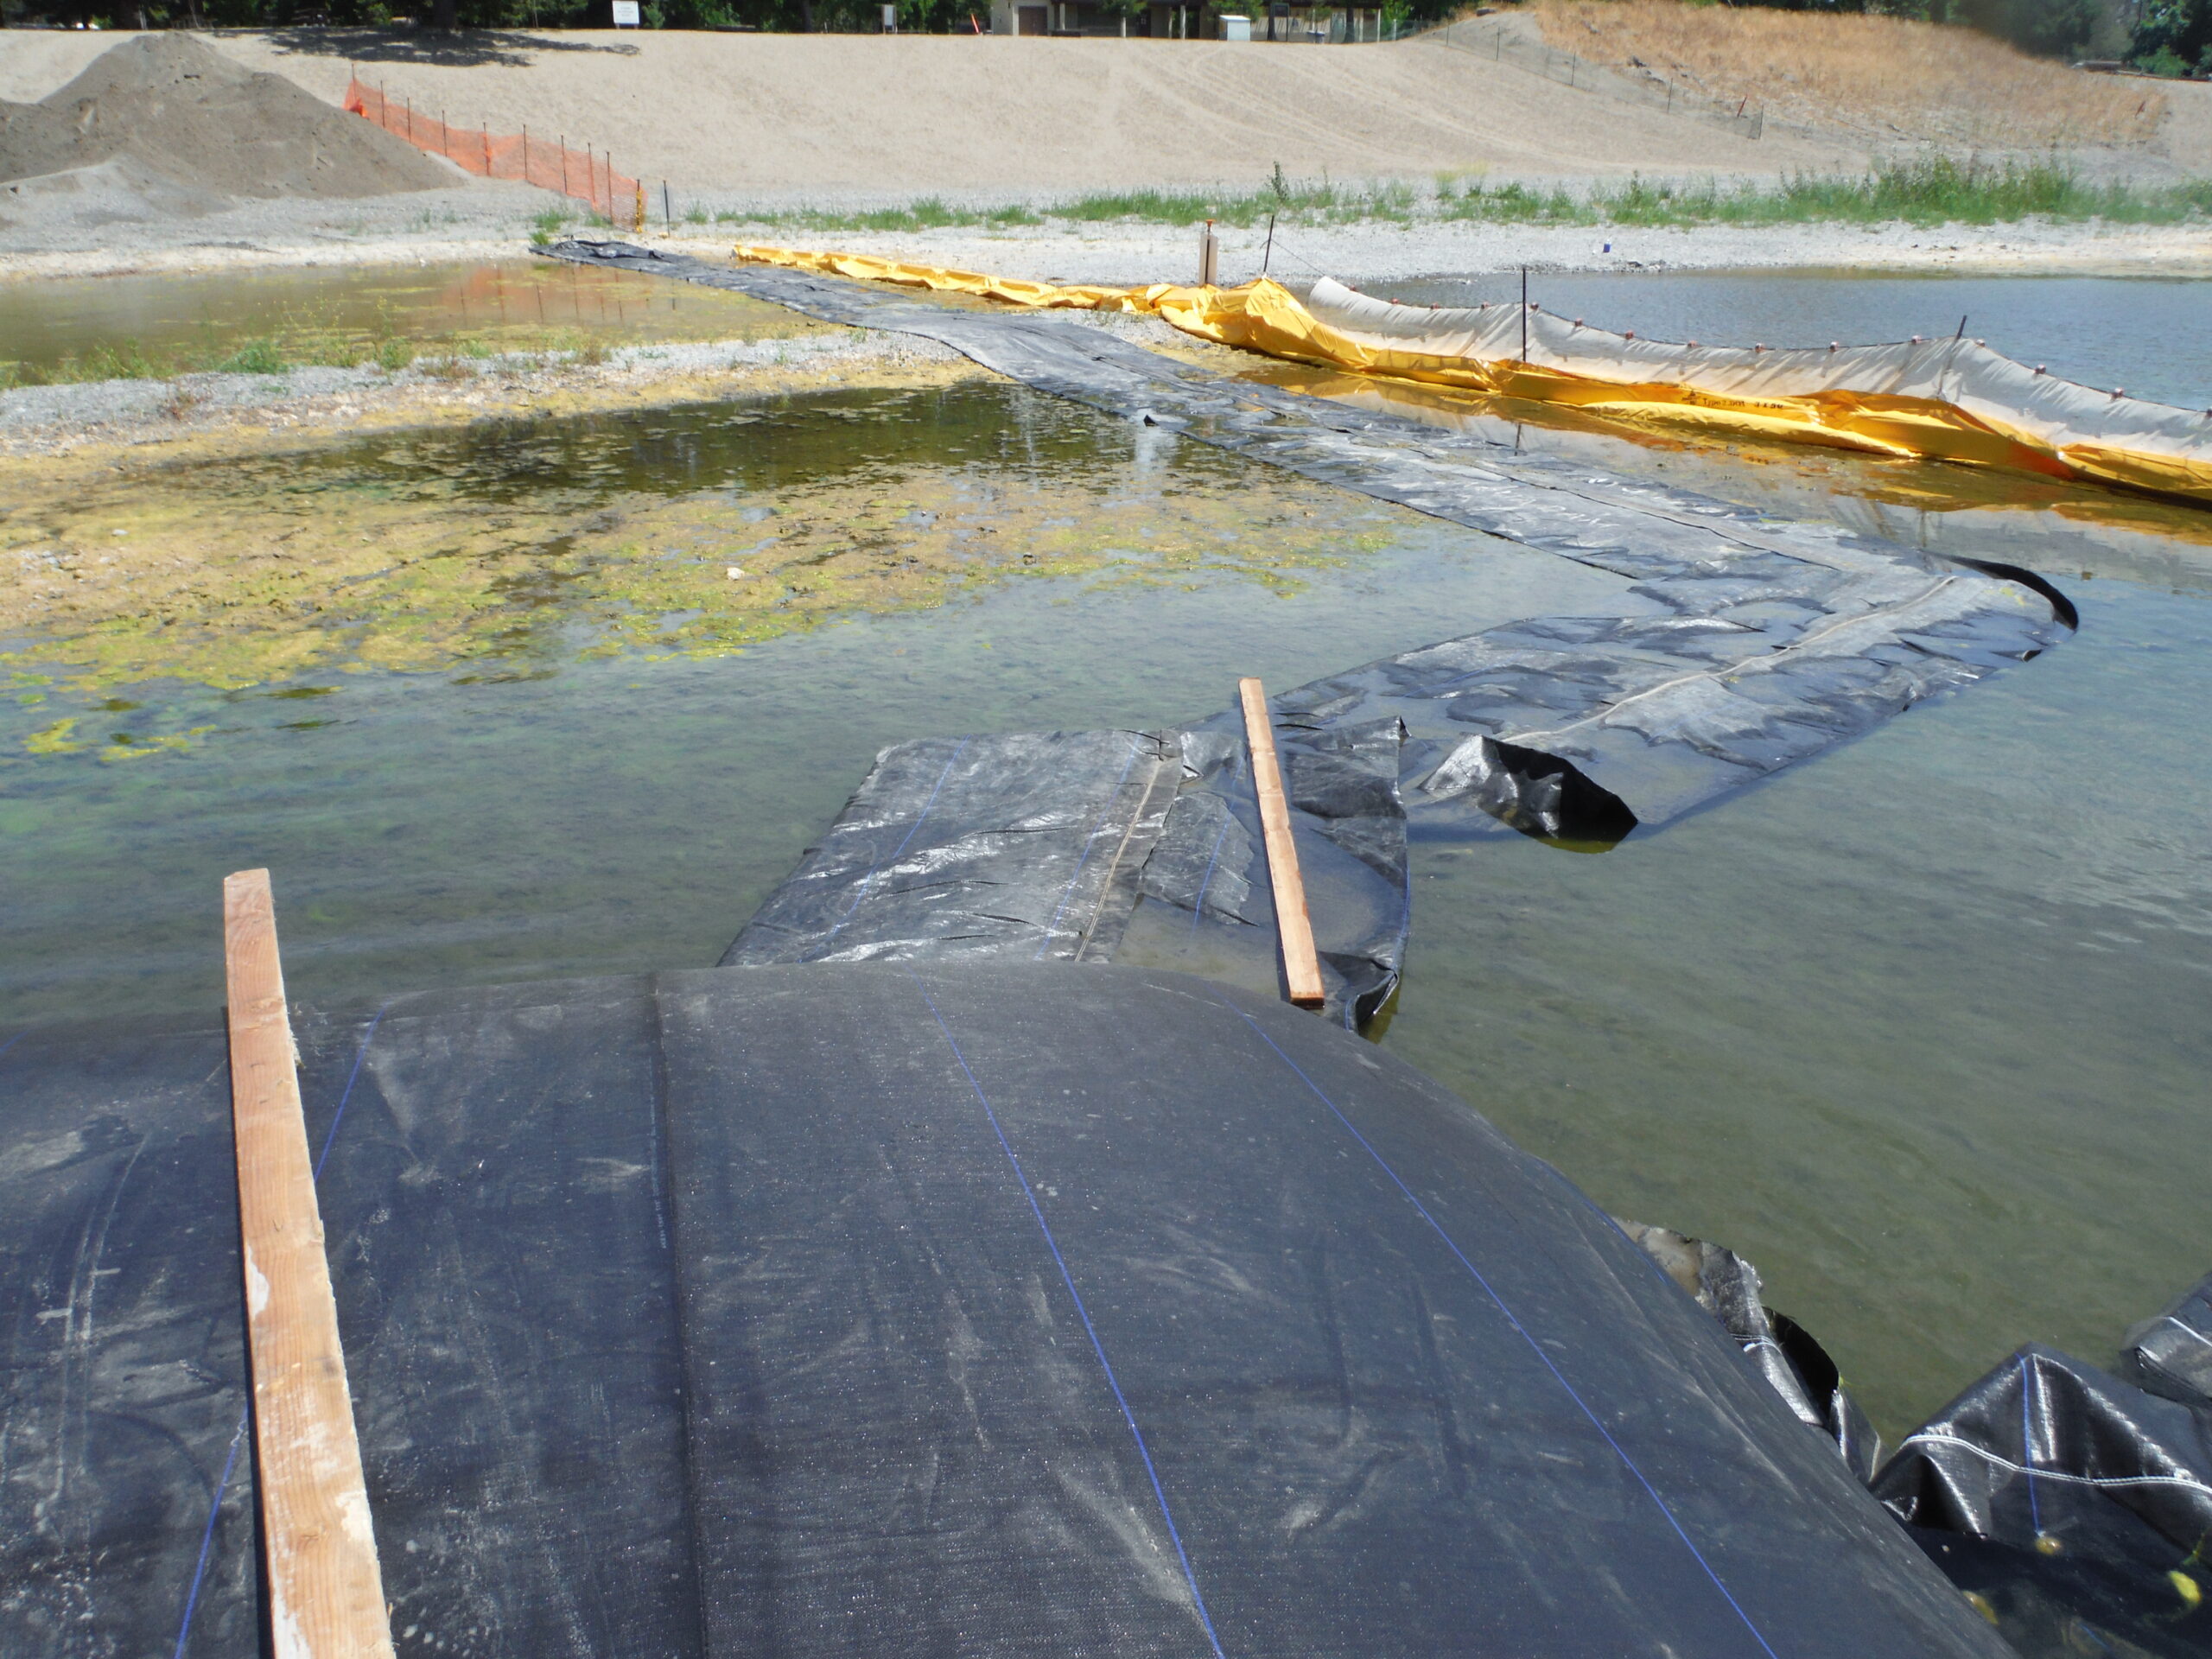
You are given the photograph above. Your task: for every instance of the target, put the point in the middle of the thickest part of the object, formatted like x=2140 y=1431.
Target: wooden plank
x=1302 y=969
x=325 y=1593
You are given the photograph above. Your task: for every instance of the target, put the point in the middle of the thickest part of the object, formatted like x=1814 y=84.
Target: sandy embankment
x=742 y=123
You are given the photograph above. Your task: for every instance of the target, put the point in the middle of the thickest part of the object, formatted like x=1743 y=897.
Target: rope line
x=1940 y=1437
x=207 y=1538
x=1136 y=746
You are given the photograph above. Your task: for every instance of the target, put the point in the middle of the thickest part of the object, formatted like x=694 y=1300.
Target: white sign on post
x=625 y=14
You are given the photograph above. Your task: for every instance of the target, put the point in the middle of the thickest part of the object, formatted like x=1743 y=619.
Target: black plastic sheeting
x=2076 y=1507
x=1094 y=846
x=1793 y=1362
x=849 y=1309
x=1755 y=641
x=2170 y=1352
x=1025 y=846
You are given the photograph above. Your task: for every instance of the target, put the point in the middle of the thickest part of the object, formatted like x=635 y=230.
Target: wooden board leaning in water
x=1302 y=969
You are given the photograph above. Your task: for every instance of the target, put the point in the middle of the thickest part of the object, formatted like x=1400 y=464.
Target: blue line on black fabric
x=2028 y=1442
x=1083 y=1312
x=1198 y=909
x=207 y=1539
x=1520 y=1330
x=1136 y=746
x=352 y=1078
x=868 y=880
x=12 y=1041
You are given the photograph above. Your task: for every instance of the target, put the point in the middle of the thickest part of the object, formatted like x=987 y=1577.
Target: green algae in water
x=512 y=546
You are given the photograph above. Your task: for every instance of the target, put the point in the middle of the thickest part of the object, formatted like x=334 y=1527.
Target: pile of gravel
x=162 y=125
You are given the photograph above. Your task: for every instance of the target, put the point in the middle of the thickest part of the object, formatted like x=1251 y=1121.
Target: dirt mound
x=177 y=109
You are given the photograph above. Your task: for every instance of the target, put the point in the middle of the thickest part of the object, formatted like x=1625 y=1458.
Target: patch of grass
x=1925 y=190
x=928 y=215
x=255 y=357
x=1515 y=203
x=547 y=226
x=1933 y=190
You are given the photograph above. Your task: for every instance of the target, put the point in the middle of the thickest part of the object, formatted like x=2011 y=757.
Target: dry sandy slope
x=794 y=115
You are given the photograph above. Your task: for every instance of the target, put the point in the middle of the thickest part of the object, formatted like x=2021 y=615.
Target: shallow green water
x=199 y=320
x=1917 y=1026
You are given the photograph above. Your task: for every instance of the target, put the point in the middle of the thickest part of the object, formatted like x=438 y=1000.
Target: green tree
x=2174 y=36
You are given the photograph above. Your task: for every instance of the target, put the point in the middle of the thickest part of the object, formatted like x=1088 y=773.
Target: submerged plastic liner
x=1069 y=846
x=1943 y=399
x=974 y=1309
x=1752 y=643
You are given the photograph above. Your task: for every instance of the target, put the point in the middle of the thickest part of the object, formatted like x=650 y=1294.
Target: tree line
x=2170 y=37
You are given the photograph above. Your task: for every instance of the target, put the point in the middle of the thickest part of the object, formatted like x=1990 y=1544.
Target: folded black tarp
x=2075 y=1504
x=851 y=1309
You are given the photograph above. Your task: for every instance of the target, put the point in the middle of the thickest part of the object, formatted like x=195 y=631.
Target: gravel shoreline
x=491 y=221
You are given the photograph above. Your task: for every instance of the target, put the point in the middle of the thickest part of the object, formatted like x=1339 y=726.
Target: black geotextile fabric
x=1754 y=641
x=850 y=1308
x=2078 y=1507
x=1102 y=846
x=2170 y=1352
x=1018 y=845
x=492 y=1187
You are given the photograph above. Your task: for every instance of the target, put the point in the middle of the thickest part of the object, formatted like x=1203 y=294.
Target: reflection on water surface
x=341 y=313
x=2062 y=529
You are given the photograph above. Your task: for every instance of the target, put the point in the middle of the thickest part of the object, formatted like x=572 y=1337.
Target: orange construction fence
x=587 y=174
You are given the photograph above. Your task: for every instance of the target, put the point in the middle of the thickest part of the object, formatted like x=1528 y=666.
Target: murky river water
x=1918 y=1027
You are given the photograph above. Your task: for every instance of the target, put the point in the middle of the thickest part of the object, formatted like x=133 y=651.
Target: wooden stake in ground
x=1302 y=969
x=325 y=1593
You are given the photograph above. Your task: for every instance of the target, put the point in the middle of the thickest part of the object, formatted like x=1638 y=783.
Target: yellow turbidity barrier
x=1943 y=399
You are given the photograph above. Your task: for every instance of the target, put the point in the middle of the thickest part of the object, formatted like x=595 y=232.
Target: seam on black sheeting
x=664 y=1204
x=1519 y=1329
x=1090 y=842
x=1118 y=891
x=207 y=1533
